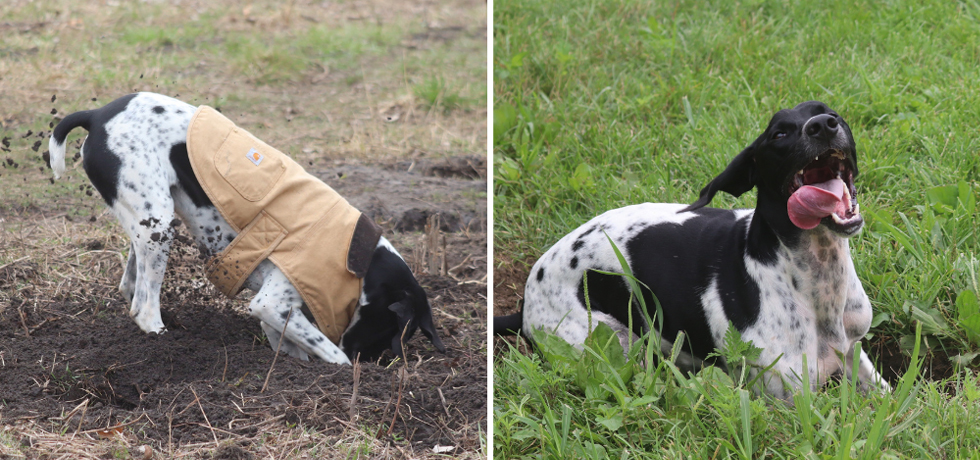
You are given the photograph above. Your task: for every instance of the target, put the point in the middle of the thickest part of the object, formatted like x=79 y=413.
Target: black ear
x=405 y=313
x=429 y=330
x=738 y=178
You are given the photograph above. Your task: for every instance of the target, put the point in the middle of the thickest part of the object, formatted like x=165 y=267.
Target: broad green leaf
x=964 y=359
x=604 y=339
x=555 y=349
x=967 y=199
x=612 y=423
x=966 y=304
x=880 y=318
x=968 y=314
x=582 y=177
x=932 y=321
x=517 y=60
x=508 y=169
x=945 y=195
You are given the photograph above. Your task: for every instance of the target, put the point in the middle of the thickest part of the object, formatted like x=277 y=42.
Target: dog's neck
x=826 y=255
x=771 y=229
x=823 y=260
x=818 y=256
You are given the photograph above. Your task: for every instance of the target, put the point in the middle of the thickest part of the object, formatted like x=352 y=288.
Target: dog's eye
x=778 y=135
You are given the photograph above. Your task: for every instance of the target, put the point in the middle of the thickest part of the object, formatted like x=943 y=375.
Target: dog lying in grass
x=262 y=221
x=780 y=273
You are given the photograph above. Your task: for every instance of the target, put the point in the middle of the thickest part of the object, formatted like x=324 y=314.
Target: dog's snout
x=822 y=127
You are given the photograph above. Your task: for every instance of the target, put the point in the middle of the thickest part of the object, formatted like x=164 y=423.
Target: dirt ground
x=73 y=361
x=384 y=100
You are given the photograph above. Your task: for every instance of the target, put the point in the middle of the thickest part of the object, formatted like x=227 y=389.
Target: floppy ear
x=738 y=178
x=429 y=330
x=405 y=313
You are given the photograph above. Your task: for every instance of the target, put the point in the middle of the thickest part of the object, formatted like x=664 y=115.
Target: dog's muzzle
x=823 y=192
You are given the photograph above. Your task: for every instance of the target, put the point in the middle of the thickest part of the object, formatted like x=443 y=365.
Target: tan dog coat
x=323 y=244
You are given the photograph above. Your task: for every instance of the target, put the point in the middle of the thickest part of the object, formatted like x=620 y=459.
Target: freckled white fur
x=829 y=293
x=548 y=304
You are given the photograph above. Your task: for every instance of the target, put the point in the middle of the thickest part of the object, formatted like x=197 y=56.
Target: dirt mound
x=462 y=182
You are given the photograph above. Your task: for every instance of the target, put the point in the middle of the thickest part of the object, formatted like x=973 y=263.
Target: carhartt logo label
x=254 y=156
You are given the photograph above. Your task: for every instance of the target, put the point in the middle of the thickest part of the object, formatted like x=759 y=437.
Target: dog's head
x=807 y=161
x=393 y=307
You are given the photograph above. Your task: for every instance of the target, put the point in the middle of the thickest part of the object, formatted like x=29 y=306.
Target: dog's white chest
x=815 y=304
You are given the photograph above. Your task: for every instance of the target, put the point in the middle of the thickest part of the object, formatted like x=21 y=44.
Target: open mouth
x=823 y=191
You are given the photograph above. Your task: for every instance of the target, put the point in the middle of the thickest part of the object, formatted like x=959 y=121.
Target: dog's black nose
x=822 y=127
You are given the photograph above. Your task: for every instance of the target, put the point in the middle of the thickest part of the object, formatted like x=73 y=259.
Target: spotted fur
x=136 y=157
x=792 y=292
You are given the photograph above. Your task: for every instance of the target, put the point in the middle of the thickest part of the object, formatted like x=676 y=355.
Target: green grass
x=433 y=93
x=601 y=104
x=593 y=403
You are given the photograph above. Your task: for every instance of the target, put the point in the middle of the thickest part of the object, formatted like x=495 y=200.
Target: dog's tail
x=510 y=324
x=56 y=145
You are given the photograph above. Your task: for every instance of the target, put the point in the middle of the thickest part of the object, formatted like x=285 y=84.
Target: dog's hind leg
x=151 y=235
x=127 y=285
x=275 y=302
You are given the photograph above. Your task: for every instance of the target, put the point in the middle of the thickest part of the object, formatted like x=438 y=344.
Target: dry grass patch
x=373 y=80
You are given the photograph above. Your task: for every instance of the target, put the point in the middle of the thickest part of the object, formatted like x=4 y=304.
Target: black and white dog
x=136 y=157
x=781 y=273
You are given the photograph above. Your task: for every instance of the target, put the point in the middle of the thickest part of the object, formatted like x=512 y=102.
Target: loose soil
x=72 y=361
x=384 y=100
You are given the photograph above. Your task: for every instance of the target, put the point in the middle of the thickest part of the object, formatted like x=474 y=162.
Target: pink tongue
x=813 y=202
